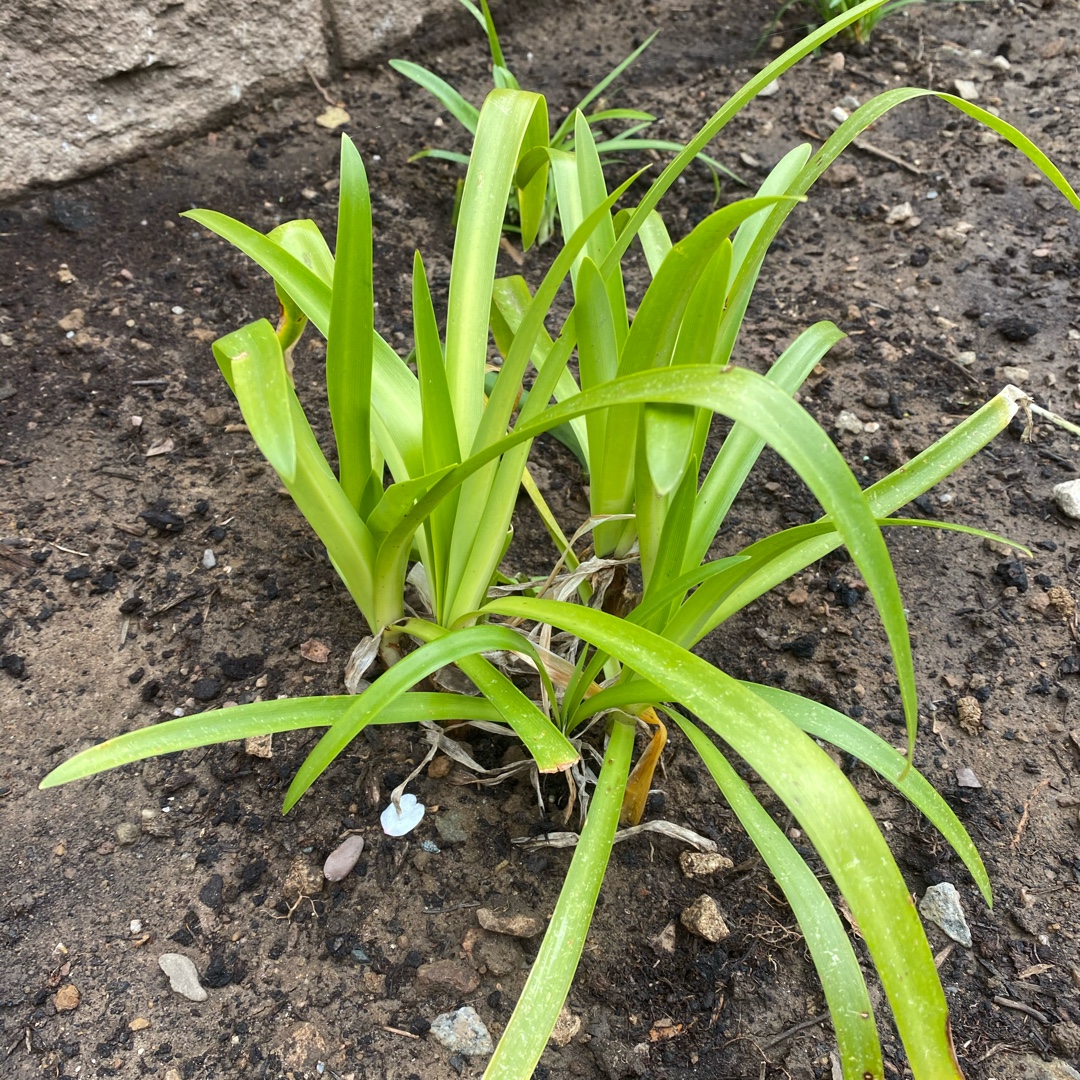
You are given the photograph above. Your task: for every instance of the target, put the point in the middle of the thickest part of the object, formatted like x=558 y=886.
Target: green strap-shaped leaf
x=252 y=362
x=304 y=239
x=835 y=960
x=440 y=434
x=259 y=718
x=511 y=123
x=350 y=340
x=549 y=747
x=466 y=114
x=820 y=797
x=742 y=447
x=851 y=737
x=552 y=972
x=655 y=241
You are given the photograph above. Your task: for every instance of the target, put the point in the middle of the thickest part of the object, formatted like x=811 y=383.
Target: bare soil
x=110 y=619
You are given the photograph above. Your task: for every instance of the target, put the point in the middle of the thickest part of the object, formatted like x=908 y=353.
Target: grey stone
x=363 y=29
x=85 y=85
x=128 y=832
x=1032 y=1067
x=454 y=826
x=463 y=1032
x=1067 y=496
x=941 y=905
x=183 y=975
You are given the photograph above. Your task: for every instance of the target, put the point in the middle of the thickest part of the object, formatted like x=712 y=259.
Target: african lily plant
x=633 y=138
x=641 y=408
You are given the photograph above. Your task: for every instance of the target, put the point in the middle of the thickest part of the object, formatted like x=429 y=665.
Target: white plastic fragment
x=399 y=820
x=340 y=862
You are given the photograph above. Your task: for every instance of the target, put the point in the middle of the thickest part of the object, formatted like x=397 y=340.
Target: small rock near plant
x=340 y=862
x=1067 y=497
x=941 y=906
x=462 y=1032
x=703 y=918
x=703 y=863
x=523 y=926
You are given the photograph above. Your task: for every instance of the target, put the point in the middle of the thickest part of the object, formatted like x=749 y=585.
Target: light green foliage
x=823 y=11
x=631 y=139
x=455 y=438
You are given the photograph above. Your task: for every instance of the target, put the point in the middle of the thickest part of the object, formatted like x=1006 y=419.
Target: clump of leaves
x=860 y=30
x=630 y=139
x=641 y=407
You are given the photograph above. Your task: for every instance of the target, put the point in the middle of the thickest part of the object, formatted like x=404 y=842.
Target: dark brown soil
x=107 y=304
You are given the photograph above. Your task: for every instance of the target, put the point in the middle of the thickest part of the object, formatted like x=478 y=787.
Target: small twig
x=464 y=905
x=867 y=148
x=69 y=551
x=772 y=1040
x=1019 y=1006
x=1015 y=842
x=299 y=900
x=150 y=382
x=872 y=79
x=398 y=1031
x=876 y=151
x=176 y=603
x=322 y=90
x=943 y=955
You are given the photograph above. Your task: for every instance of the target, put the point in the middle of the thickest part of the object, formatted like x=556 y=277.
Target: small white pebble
x=177 y=310
x=178 y=712
x=209 y=559
x=136 y=926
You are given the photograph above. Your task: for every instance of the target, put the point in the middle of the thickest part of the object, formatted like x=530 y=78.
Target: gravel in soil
x=952 y=268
